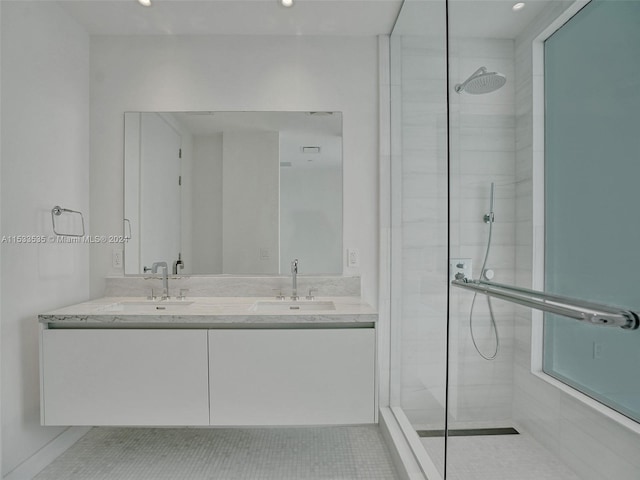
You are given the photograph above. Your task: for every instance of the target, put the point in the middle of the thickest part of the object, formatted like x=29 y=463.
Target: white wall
x=45 y=149
x=187 y=215
x=311 y=204
x=132 y=192
x=311 y=219
x=207 y=204
x=237 y=73
x=1 y=464
x=159 y=191
x=250 y=193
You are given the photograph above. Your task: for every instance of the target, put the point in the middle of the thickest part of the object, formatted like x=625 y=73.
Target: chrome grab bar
x=585 y=311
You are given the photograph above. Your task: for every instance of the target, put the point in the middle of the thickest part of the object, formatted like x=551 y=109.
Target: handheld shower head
x=481 y=82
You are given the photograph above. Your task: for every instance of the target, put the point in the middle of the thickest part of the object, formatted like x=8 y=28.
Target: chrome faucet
x=294 y=274
x=165 y=277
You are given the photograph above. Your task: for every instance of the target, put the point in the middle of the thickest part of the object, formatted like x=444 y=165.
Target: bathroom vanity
x=208 y=361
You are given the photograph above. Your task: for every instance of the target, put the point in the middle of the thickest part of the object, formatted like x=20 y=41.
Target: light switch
x=116 y=258
x=353 y=258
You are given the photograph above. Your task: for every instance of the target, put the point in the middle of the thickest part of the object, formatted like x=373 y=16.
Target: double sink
x=261 y=306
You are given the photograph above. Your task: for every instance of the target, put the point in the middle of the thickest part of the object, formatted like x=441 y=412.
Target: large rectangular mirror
x=233 y=192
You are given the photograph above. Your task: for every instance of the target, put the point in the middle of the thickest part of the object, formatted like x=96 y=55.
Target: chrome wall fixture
x=56 y=212
x=585 y=311
x=480 y=82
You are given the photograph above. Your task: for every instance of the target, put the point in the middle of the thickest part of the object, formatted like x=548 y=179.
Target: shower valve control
x=460 y=266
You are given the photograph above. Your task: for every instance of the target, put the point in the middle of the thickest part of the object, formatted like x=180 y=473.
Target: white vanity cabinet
x=292 y=376
x=207 y=376
x=124 y=377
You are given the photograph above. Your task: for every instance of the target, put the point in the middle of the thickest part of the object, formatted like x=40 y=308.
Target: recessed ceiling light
x=287 y=3
x=145 y=3
x=518 y=6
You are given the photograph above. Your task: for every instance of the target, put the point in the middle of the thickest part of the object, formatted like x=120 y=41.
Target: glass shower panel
x=483 y=192
x=491 y=103
x=592 y=222
x=419 y=223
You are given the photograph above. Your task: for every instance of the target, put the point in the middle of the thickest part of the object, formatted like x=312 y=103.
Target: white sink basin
x=286 y=306
x=148 y=306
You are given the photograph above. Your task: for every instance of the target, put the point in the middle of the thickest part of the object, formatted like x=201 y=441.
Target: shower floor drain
x=469 y=432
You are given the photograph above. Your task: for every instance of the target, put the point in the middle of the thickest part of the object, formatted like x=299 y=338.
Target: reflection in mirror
x=233 y=192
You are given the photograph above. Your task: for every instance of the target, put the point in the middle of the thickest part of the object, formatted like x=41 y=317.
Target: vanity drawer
x=292 y=376
x=124 y=377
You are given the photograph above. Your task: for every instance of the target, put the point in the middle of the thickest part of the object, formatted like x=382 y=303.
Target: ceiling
x=469 y=18
x=235 y=17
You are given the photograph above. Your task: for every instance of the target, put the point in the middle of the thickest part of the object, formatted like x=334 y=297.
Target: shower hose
x=494 y=327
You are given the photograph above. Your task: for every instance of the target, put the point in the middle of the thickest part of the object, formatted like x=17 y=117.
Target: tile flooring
x=305 y=453
x=497 y=457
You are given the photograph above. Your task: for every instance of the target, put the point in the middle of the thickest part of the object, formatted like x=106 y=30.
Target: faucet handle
x=279 y=296
x=309 y=295
x=183 y=294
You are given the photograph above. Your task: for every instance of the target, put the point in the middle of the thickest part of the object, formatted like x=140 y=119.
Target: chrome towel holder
x=578 y=309
x=56 y=212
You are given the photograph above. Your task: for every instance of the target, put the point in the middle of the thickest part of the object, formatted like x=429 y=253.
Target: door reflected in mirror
x=239 y=193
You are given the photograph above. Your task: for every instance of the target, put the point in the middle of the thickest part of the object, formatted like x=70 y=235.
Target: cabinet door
x=124 y=377
x=292 y=377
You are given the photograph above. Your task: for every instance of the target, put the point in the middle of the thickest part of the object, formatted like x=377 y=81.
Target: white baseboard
x=47 y=454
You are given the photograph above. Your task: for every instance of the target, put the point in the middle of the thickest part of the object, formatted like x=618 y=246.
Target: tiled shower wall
x=419 y=199
x=483 y=151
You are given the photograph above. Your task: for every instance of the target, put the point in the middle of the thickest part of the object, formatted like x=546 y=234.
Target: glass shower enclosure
x=514 y=157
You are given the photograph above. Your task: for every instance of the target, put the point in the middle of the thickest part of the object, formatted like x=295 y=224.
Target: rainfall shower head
x=481 y=82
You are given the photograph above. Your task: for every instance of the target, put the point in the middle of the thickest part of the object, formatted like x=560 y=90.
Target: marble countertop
x=210 y=311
